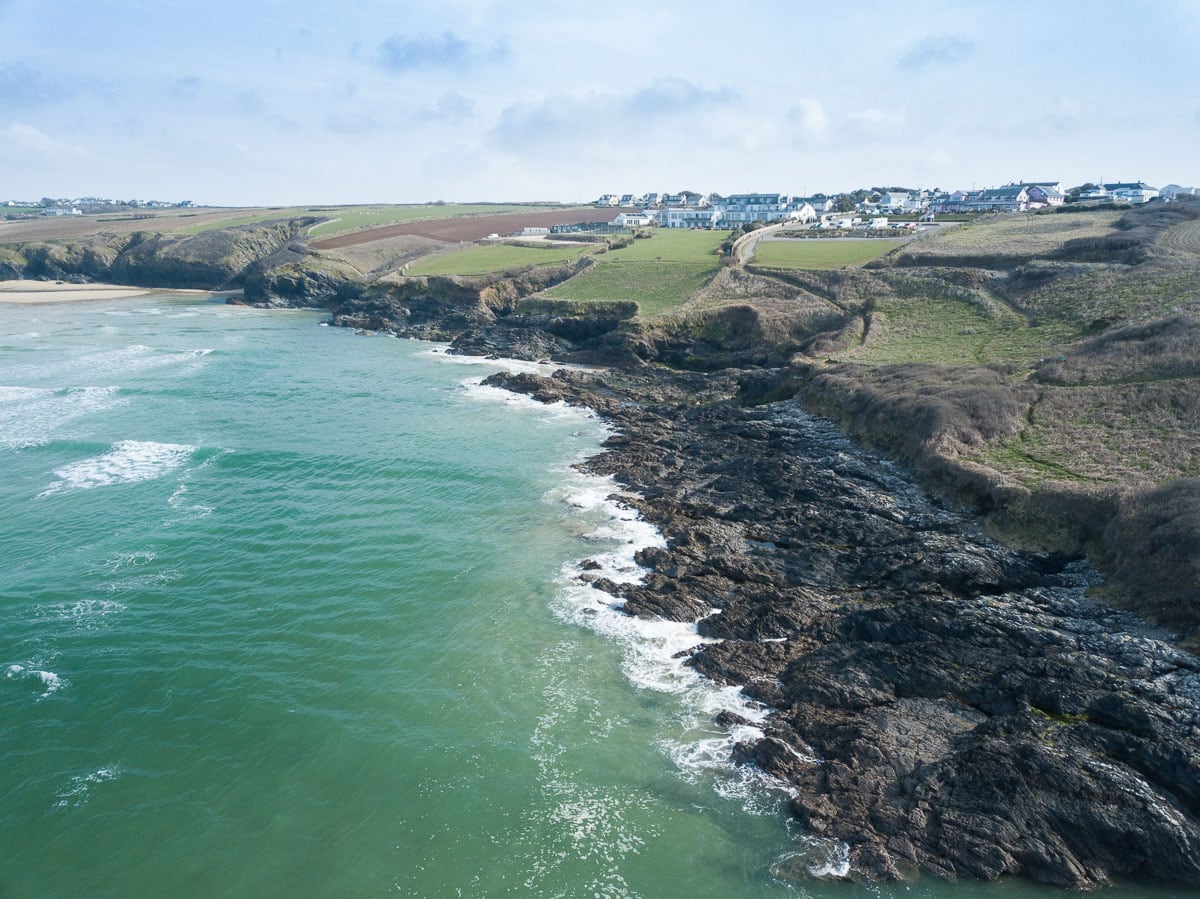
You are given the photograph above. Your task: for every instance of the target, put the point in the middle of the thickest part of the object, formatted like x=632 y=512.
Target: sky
x=291 y=102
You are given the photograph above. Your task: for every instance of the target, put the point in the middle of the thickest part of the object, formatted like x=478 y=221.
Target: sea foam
x=33 y=416
x=49 y=681
x=129 y=461
x=653 y=650
x=76 y=793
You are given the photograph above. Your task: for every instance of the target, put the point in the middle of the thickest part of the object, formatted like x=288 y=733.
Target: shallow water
x=290 y=611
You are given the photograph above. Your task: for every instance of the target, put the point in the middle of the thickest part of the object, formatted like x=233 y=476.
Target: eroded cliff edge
x=942 y=703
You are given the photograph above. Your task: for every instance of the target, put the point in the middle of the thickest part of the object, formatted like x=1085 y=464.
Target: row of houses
x=689 y=209
x=730 y=212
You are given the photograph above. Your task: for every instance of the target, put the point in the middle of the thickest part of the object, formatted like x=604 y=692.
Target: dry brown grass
x=1012 y=236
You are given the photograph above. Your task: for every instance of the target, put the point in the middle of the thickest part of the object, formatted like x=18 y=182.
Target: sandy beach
x=58 y=292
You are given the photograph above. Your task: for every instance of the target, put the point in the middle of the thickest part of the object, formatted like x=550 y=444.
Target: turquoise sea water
x=286 y=611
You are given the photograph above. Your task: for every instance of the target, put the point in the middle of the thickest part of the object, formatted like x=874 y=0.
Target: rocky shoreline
x=940 y=703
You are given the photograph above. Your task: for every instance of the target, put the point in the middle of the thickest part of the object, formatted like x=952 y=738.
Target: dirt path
x=1182 y=237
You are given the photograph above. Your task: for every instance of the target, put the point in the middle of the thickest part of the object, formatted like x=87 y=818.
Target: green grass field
x=344 y=219
x=815 y=254
x=954 y=331
x=479 y=260
x=672 y=245
x=655 y=286
x=356 y=218
x=250 y=217
x=658 y=273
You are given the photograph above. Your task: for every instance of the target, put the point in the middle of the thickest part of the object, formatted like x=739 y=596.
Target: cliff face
x=212 y=260
x=939 y=701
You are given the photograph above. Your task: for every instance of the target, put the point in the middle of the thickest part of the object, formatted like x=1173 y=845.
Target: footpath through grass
x=658 y=273
x=815 y=254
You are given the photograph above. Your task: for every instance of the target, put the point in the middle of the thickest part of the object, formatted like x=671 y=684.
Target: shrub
x=1153 y=546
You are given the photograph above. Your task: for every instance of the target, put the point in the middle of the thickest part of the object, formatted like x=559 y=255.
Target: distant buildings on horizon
x=83 y=205
x=688 y=209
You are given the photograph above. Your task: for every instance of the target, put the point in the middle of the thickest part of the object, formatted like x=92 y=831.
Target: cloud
x=352 y=123
x=447 y=50
x=451 y=108
x=875 y=122
x=186 y=88
x=26 y=138
x=250 y=103
x=661 y=104
x=670 y=96
x=22 y=86
x=936 y=52
x=812 y=117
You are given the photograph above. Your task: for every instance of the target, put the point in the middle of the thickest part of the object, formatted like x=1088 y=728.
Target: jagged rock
x=975 y=714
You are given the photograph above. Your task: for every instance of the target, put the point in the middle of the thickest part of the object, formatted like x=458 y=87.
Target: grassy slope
x=815 y=254
x=354 y=218
x=478 y=260
x=343 y=219
x=658 y=273
x=1062 y=353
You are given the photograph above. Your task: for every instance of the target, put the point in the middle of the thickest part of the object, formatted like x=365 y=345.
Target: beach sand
x=59 y=292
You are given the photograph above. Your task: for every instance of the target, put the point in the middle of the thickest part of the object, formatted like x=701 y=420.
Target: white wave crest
x=50 y=681
x=33 y=416
x=76 y=792
x=129 y=461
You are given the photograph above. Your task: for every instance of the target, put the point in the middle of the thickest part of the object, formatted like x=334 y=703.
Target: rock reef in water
x=941 y=703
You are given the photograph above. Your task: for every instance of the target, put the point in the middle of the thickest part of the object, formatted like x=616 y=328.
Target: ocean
x=291 y=611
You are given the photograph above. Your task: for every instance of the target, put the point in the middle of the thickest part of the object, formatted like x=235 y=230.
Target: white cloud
x=28 y=139
x=813 y=118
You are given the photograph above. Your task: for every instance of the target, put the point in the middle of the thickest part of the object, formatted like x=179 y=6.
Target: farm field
x=465 y=228
x=67 y=227
x=346 y=219
x=817 y=254
x=478 y=260
x=658 y=273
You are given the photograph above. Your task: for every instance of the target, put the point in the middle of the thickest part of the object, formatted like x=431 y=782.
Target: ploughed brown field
x=69 y=227
x=476 y=227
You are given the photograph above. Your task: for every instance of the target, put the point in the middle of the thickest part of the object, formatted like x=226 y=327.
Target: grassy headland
x=815 y=254
x=1045 y=368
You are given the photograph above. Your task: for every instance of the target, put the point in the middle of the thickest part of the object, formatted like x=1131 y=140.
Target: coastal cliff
x=957 y=684
x=939 y=702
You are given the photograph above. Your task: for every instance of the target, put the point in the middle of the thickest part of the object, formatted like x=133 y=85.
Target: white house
x=901 y=201
x=1132 y=191
x=740 y=209
x=632 y=219
x=688 y=217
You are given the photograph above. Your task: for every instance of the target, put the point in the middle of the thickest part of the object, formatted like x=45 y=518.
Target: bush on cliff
x=1153 y=547
x=1165 y=347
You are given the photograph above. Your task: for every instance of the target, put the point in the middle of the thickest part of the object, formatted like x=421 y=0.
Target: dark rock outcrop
x=940 y=702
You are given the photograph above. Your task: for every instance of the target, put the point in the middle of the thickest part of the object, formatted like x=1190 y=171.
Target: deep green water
x=286 y=611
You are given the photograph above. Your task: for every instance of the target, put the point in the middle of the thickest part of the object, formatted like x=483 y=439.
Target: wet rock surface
x=940 y=702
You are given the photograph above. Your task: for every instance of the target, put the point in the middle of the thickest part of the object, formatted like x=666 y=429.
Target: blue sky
x=248 y=102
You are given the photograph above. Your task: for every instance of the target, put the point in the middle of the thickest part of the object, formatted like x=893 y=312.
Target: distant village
x=50 y=206
x=693 y=210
